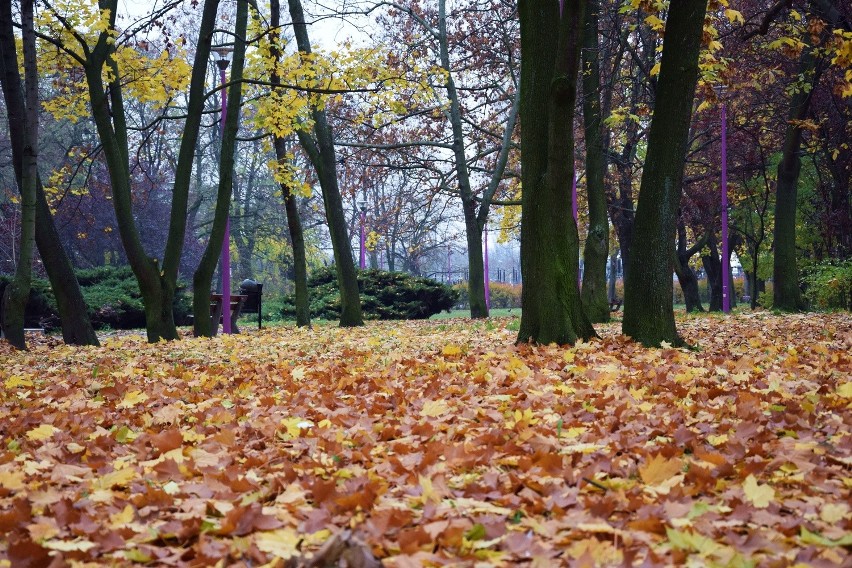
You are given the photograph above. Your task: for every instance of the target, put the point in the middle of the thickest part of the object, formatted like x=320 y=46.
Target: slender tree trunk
x=297 y=237
x=648 y=310
x=685 y=274
x=596 y=250
x=550 y=46
x=321 y=154
x=73 y=313
x=17 y=293
x=202 y=280
x=613 y=275
x=156 y=283
x=786 y=294
x=713 y=267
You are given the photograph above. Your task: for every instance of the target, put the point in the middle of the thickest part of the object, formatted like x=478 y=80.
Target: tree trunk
x=157 y=284
x=76 y=327
x=685 y=274
x=648 y=310
x=552 y=310
x=17 y=293
x=613 y=275
x=713 y=267
x=786 y=294
x=202 y=280
x=596 y=250
x=322 y=156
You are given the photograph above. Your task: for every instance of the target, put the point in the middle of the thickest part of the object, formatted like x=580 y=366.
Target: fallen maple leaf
x=759 y=495
x=659 y=469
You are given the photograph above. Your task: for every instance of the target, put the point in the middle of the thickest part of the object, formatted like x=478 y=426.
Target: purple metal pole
x=574 y=211
x=449 y=263
x=226 y=243
x=726 y=259
x=487 y=277
x=362 y=262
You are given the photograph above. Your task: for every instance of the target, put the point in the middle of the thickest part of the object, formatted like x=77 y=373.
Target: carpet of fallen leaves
x=433 y=443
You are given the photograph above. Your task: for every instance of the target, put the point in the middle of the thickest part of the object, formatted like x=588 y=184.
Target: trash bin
x=253 y=291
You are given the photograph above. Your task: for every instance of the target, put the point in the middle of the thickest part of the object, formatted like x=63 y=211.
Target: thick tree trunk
x=202 y=280
x=550 y=300
x=17 y=293
x=76 y=327
x=786 y=294
x=648 y=310
x=321 y=154
x=596 y=250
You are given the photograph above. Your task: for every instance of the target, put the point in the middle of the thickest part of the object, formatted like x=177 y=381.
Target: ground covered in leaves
x=433 y=443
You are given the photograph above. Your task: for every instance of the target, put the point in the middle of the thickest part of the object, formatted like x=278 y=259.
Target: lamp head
x=224 y=52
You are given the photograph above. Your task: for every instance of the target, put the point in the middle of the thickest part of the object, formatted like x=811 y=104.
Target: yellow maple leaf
x=845 y=390
x=43 y=432
x=434 y=408
x=120 y=477
x=450 y=350
x=659 y=469
x=758 y=495
x=132 y=398
x=13 y=480
x=17 y=381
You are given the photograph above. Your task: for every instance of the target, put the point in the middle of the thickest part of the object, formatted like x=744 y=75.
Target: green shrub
x=828 y=285
x=384 y=295
x=112 y=296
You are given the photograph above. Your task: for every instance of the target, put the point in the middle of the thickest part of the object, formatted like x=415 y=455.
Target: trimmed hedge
x=384 y=296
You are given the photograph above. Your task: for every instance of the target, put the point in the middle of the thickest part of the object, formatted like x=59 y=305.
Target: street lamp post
x=487 y=276
x=362 y=262
x=726 y=258
x=449 y=263
x=224 y=60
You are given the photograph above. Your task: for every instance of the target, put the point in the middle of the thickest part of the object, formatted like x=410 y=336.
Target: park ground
x=433 y=443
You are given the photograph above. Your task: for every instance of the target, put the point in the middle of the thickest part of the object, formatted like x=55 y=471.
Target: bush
x=505 y=295
x=384 y=296
x=828 y=285
x=112 y=295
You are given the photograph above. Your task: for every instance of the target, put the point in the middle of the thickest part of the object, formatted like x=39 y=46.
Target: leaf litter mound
x=432 y=443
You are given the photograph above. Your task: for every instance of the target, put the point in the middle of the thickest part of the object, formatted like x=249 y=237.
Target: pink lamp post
x=726 y=258
x=362 y=261
x=487 y=276
x=224 y=60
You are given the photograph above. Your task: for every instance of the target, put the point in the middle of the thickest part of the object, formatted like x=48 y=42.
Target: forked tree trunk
x=550 y=46
x=203 y=278
x=648 y=309
x=76 y=327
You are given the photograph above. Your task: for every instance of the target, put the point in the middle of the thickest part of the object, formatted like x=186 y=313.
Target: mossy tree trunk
x=786 y=294
x=648 y=309
x=320 y=151
x=76 y=327
x=17 y=293
x=202 y=280
x=596 y=250
x=157 y=281
x=550 y=53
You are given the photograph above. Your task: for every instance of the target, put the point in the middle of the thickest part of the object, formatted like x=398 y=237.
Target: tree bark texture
x=648 y=309
x=294 y=220
x=202 y=280
x=596 y=250
x=76 y=326
x=685 y=274
x=17 y=293
x=321 y=153
x=156 y=283
x=550 y=46
x=786 y=294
